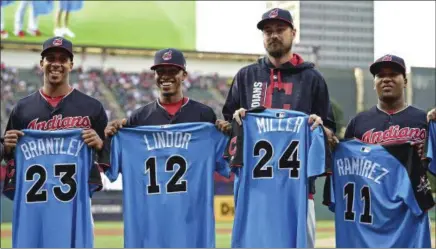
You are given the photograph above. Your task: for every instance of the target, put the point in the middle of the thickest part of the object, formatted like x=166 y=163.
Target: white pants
x=311 y=224
x=19 y=16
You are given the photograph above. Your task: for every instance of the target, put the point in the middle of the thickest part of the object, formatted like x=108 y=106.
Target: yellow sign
x=224 y=208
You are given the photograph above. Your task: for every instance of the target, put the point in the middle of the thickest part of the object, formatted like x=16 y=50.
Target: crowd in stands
x=129 y=90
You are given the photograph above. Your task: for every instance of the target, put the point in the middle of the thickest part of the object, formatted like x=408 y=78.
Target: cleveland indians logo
x=167 y=56
x=387 y=58
x=57 y=42
x=394 y=134
x=57 y=122
x=274 y=13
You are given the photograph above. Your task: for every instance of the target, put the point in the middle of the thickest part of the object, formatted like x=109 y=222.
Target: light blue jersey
x=50 y=190
x=273 y=155
x=168 y=183
x=379 y=194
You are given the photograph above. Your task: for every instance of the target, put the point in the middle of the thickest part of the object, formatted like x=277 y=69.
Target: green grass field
x=109 y=235
x=145 y=24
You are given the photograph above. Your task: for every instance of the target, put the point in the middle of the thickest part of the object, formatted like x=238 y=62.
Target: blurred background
x=115 y=42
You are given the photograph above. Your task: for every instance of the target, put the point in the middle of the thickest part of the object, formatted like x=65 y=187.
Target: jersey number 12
x=175 y=184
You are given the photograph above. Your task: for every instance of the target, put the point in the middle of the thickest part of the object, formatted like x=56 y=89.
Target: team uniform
x=430 y=147
x=380 y=194
x=53 y=183
x=40 y=112
x=377 y=126
x=296 y=85
x=273 y=155
x=168 y=183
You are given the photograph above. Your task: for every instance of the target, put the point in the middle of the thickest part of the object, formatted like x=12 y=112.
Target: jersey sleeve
x=430 y=147
x=414 y=186
x=349 y=131
x=329 y=193
x=95 y=182
x=321 y=105
x=115 y=158
x=234 y=149
x=318 y=162
x=221 y=141
x=10 y=179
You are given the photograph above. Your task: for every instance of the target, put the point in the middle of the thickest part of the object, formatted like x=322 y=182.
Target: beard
x=277 y=49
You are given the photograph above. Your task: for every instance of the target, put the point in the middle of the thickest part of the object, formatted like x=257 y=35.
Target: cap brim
x=52 y=48
x=166 y=64
x=262 y=23
x=377 y=66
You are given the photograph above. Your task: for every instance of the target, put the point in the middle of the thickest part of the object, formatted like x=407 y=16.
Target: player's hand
x=92 y=139
x=238 y=115
x=113 y=127
x=11 y=140
x=419 y=146
x=315 y=121
x=332 y=139
x=431 y=115
x=224 y=126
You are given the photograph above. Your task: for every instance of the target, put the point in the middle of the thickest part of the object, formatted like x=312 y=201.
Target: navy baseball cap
x=58 y=42
x=388 y=60
x=170 y=57
x=276 y=14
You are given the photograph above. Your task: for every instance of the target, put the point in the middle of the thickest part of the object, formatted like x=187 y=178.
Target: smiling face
x=277 y=38
x=169 y=80
x=389 y=84
x=56 y=65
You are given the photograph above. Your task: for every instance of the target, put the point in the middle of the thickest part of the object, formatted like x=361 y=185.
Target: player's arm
x=12 y=134
x=431 y=115
x=232 y=102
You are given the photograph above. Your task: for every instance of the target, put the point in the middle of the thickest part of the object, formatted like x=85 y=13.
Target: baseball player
x=171 y=107
x=66 y=7
x=56 y=105
x=4 y=33
x=37 y=8
x=281 y=80
x=392 y=120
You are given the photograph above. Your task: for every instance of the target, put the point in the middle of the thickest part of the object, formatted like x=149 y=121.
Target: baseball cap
x=169 y=56
x=58 y=42
x=276 y=14
x=388 y=61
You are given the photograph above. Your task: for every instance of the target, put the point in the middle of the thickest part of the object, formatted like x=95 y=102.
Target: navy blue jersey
x=168 y=183
x=376 y=126
x=75 y=110
x=273 y=154
x=52 y=207
x=379 y=194
x=155 y=114
x=430 y=147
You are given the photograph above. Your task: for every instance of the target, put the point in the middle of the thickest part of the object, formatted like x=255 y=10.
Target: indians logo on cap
x=167 y=55
x=387 y=58
x=274 y=13
x=57 y=42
